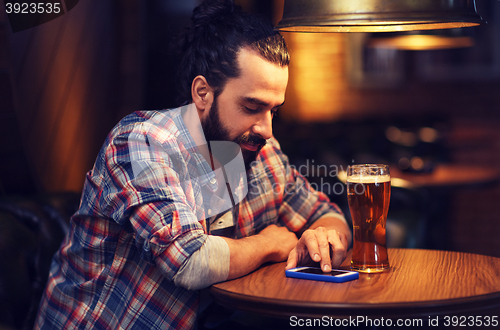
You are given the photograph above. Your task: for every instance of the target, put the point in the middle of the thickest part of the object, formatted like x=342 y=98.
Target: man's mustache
x=251 y=139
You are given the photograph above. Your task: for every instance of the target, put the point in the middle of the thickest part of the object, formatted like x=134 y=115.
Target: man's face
x=243 y=112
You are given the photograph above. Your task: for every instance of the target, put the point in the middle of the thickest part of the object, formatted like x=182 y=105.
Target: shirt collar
x=206 y=174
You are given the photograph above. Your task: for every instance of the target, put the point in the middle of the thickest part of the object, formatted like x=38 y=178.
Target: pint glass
x=368 y=195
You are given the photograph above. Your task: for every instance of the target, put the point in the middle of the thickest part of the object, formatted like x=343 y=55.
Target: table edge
x=280 y=307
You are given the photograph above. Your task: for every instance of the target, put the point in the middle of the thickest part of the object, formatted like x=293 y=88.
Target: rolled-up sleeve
x=206 y=266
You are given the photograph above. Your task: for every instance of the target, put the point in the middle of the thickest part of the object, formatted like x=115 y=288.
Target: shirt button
x=213 y=181
x=209 y=212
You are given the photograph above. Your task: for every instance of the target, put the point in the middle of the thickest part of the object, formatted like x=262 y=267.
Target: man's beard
x=214 y=130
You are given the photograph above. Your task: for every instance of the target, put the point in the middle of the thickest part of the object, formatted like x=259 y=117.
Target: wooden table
x=445 y=175
x=442 y=176
x=420 y=283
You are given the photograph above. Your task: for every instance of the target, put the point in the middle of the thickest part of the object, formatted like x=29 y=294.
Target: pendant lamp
x=376 y=15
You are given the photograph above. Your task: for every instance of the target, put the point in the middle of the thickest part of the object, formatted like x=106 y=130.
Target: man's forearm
x=246 y=255
x=272 y=244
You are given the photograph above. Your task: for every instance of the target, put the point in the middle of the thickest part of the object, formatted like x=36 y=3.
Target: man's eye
x=252 y=110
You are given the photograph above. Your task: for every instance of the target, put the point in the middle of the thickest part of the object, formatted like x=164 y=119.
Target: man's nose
x=264 y=127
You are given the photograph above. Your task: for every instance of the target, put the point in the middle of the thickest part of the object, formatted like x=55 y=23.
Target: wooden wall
x=321 y=86
x=72 y=78
x=15 y=171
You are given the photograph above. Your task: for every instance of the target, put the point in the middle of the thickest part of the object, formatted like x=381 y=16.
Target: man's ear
x=202 y=93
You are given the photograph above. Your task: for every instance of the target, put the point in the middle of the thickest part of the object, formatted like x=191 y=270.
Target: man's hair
x=210 y=45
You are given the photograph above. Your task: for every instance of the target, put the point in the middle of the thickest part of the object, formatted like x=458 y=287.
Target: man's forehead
x=252 y=63
x=247 y=53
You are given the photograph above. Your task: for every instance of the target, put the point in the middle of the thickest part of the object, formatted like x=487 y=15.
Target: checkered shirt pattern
x=132 y=234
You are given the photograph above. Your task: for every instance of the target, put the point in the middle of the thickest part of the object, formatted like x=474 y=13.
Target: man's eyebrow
x=256 y=101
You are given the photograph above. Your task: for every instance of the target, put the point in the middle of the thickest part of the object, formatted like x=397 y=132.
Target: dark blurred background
x=350 y=99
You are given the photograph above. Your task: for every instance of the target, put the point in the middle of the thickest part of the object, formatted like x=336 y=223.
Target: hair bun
x=210 y=10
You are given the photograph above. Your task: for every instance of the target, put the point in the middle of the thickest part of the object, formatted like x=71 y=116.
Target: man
x=172 y=207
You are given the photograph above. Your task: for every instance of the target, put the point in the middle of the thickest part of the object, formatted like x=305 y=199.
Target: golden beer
x=368 y=195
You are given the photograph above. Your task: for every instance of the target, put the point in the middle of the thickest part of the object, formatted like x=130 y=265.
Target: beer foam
x=369 y=178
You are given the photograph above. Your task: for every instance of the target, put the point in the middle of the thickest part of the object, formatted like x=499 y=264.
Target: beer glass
x=368 y=195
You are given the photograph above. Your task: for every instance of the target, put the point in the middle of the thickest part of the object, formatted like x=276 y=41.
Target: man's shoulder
x=160 y=124
x=152 y=117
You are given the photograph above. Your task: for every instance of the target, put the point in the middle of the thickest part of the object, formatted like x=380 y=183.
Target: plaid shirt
x=132 y=234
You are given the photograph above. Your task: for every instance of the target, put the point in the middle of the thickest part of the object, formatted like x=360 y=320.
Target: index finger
x=324 y=249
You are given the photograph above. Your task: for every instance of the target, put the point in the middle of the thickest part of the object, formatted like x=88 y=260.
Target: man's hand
x=326 y=246
x=274 y=244
x=282 y=241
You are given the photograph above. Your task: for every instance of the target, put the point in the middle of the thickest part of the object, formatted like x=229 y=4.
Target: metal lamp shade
x=376 y=15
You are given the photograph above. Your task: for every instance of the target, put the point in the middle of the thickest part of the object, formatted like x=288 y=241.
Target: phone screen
x=320 y=272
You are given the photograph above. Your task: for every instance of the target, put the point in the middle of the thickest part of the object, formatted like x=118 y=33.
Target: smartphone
x=316 y=274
